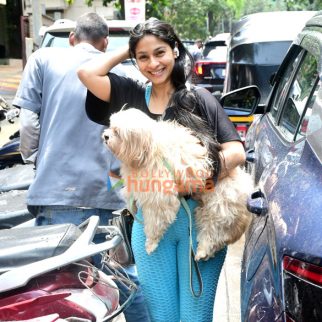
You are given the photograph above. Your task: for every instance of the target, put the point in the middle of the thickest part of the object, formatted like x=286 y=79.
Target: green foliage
x=156 y=8
x=202 y=18
x=188 y=18
x=303 y=4
x=253 y=6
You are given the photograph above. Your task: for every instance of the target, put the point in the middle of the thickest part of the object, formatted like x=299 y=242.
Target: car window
x=283 y=87
x=307 y=119
x=56 y=39
x=298 y=96
x=210 y=45
x=218 y=54
x=314 y=127
x=117 y=40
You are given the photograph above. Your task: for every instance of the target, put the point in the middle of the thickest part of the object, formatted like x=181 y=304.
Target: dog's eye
x=116 y=132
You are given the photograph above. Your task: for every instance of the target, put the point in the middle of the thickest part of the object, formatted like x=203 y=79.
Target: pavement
x=10 y=76
x=227 y=303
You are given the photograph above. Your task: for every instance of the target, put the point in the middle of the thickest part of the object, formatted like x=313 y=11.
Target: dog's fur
x=163 y=160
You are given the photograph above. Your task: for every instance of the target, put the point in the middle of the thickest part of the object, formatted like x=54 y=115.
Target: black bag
x=123 y=253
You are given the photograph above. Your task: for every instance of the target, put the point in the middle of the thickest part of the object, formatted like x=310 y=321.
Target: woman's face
x=155 y=59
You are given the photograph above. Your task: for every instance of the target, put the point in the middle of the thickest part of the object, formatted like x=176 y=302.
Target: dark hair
x=90 y=27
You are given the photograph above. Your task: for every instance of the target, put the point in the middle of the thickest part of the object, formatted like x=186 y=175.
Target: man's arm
x=29 y=135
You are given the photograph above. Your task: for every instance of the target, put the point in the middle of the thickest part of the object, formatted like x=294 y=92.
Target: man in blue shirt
x=72 y=163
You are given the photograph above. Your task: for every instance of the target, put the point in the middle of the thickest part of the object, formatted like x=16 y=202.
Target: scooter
x=14 y=184
x=47 y=275
x=9 y=152
x=15 y=177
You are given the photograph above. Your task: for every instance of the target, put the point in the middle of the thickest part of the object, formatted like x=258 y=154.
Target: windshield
x=60 y=39
x=55 y=39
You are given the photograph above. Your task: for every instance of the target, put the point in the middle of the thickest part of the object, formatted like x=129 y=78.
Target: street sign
x=134 y=10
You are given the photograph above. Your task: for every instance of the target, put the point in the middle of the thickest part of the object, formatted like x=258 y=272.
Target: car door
x=273 y=135
x=280 y=139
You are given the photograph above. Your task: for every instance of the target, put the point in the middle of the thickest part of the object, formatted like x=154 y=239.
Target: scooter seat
x=20 y=246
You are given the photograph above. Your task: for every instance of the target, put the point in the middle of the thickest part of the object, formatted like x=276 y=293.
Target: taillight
x=198 y=69
x=306 y=271
x=242 y=130
x=302 y=290
x=288 y=318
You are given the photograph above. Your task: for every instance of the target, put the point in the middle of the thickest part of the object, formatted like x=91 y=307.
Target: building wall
x=58 y=9
x=52 y=10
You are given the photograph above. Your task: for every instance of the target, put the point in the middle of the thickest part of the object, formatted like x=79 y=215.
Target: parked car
x=188 y=44
x=209 y=72
x=258 y=44
x=281 y=276
x=57 y=35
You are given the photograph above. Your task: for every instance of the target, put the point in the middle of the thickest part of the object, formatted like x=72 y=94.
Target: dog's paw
x=201 y=254
x=204 y=253
x=150 y=247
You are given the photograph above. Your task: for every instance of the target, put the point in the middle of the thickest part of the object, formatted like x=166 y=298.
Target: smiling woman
x=161 y=58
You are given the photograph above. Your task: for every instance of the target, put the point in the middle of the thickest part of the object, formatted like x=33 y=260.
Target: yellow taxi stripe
x=242 y=118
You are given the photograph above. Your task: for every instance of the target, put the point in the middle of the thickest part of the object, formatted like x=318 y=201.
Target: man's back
x=72 y=162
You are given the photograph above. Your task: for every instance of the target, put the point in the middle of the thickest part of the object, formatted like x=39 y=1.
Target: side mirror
x=242 y=101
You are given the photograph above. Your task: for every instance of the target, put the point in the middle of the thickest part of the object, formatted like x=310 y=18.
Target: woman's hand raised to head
x=93 y=74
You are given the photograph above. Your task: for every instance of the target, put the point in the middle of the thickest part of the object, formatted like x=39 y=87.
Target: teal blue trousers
x=164 y=275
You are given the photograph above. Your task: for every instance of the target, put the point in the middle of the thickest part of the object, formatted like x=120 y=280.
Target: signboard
x=134 y=10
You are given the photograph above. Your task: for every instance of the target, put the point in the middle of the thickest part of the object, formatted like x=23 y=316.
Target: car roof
x=67 y=25
x=219 y=37
x=269 y=26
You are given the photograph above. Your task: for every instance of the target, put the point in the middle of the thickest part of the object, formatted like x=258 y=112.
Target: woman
x=161 y=57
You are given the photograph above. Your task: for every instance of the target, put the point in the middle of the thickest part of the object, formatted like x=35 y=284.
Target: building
x=21 y=20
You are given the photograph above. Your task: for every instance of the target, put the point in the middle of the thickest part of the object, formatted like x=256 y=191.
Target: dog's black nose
x=106 y=137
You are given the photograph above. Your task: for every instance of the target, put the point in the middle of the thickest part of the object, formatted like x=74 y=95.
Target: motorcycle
x=46 y=274
x=14 y=183
x=9 y=152
x=15 y=177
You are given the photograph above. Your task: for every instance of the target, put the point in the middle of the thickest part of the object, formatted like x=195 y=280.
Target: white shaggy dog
x=162 y=161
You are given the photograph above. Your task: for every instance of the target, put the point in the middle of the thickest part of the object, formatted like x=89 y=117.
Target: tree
x=303 y=4
x=203 y=18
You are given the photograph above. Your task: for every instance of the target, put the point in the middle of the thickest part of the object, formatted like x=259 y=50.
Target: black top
x=126 y=91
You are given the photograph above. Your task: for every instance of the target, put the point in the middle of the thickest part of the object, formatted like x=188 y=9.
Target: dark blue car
x=281 y=277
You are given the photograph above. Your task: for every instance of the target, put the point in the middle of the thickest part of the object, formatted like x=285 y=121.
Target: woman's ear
x=176 y=52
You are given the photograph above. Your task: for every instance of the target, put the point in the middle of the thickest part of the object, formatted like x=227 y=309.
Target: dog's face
x=130 y=136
